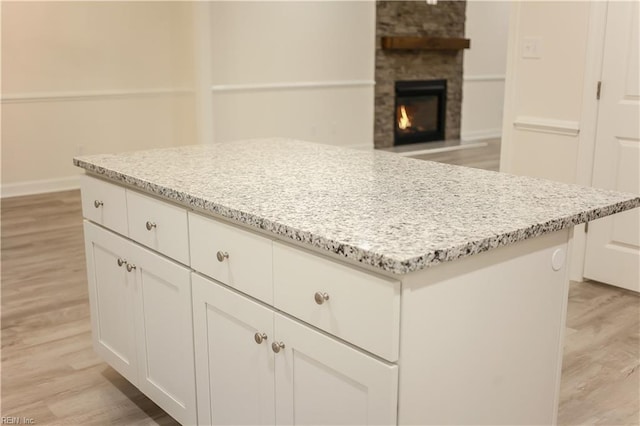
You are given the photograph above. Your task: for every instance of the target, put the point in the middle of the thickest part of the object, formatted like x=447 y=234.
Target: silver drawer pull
x=150 y=225
x=321 y=297
x=97 y=204
x=260 y=337
x=222 y=255
x=276 y=346
x=121 y=261
x=130 y=267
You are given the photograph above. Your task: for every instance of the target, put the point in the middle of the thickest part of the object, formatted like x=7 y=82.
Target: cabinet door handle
x=150 y=225
x=276 y=346
x=121 y=261
x=222 y=255
x=130 y=267
x=260 y=337
x=97 y=204
x=320 y=298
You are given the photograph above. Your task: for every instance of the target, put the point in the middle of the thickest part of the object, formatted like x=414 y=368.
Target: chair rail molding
x=294 y=85
x=547 y=125
x=91 y=95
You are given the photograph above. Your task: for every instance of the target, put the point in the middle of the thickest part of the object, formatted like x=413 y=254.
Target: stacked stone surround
x=417 y=18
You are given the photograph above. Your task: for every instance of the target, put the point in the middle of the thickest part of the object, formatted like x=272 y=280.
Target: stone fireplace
x=433 y=60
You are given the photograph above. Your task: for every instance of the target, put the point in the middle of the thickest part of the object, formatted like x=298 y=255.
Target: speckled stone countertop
x=377 y=208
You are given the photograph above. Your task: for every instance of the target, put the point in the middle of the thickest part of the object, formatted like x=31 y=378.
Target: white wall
x=92 y=77
x=543 y=100
x=293 y=69
x=550 y=104
x=485 y=63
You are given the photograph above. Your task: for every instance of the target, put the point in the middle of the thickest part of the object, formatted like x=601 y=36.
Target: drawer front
x=104 y=203
x=361 y=308
x=237 y=258
x=158 y=225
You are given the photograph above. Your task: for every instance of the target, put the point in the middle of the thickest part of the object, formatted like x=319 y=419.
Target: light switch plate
x=531 y=47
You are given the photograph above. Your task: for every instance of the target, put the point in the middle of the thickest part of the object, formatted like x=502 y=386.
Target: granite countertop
x=393 y=213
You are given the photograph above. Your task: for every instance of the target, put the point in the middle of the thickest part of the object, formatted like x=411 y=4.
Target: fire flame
x=404 y=121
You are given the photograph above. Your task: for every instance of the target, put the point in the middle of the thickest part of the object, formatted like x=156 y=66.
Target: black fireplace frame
x=417 y=88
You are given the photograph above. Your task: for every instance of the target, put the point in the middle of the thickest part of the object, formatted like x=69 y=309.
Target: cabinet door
x=164 y=333
x=110 y=290
x=322 y=381
x=235 y=371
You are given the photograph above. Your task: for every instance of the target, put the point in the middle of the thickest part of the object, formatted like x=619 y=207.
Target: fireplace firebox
x=420 y=111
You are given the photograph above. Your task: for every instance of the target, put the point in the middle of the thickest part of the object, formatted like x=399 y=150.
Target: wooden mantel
x=424 y=43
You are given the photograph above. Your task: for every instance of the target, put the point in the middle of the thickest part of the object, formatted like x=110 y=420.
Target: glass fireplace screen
x=420 y=111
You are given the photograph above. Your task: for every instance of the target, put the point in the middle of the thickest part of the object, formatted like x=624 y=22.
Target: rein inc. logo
x=8 y=420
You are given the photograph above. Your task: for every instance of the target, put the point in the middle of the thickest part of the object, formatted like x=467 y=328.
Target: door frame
x=588 y=124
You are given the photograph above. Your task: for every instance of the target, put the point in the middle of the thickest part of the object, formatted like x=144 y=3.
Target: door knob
x=222 y=255
x=97 y=204
x=121 y=261
x=130 y=267
x=150 y=225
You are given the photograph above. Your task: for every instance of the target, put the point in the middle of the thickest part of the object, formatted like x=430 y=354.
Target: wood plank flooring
x=49 y=370
x=485 y=157
x=50 y=373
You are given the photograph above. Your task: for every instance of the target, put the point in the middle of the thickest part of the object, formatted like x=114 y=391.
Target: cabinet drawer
x=104 y=203
x=237 y=258
x=158 y=225
x=361 y=308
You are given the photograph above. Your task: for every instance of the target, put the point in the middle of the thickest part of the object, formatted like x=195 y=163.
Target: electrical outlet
x=531 y=47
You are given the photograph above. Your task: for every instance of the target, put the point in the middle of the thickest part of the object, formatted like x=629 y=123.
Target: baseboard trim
x=477 y=135
x=33 y=187
x=483 y=77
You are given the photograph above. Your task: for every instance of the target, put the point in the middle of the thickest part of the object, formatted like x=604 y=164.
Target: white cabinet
x=104 y=203
x=234 y=373
x=359 y=307
x=230 y=255
x=110 y=297
x=288 y=336
x=311 y=379
x=158 y=225
x=141 y=319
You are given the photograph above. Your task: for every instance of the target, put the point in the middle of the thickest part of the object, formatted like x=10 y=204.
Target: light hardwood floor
x=49 y=370
x=50 y=373
x=483 y=157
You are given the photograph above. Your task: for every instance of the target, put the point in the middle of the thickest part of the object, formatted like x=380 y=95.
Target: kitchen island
x=276 y=281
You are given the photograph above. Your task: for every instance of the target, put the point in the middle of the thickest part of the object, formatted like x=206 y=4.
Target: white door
x=613 y=243
x=320 y=381
x=234 y=360
x=112 y=318
x=164 y=333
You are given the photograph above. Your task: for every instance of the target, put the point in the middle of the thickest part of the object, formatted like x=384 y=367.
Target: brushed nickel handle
x=320 y=298
x=260 y=337
x=130 y=267
x=276 y=346
x=150 y=225
x=121 y=261
x=97 y=204
x=222 y=255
